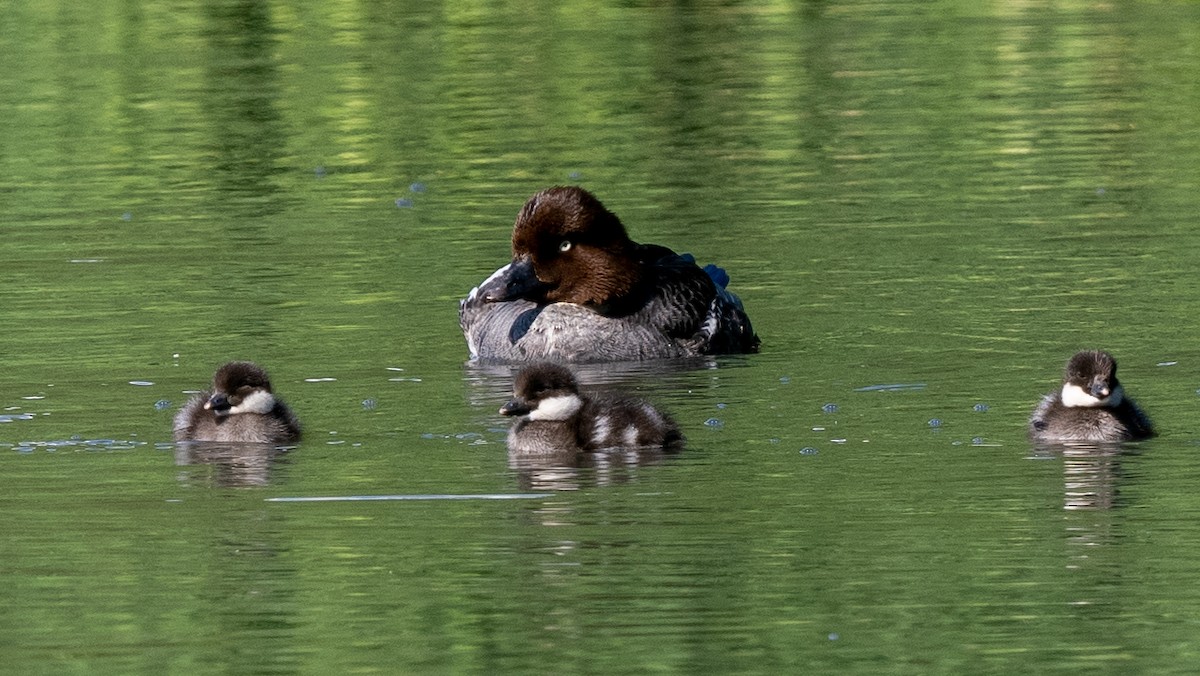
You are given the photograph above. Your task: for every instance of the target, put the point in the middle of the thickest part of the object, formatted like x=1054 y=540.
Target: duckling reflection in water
x=233 y=464
x=555 y=418
x=240 y=408
x=1091 y=406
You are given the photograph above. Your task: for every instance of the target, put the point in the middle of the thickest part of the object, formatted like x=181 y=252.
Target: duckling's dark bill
x=515 y=407
x=218 y=403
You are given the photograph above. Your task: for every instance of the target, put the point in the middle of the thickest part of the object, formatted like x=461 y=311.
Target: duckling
x=1091 y=406
x=555 y=417
x=240 y=408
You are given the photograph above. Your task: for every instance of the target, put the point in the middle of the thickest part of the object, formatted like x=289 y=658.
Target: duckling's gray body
x=1091 y=406
x=240 y=408
x=557 y=418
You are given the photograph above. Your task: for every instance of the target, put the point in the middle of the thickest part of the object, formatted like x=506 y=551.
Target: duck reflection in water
x=559 y=428
x=228 y=464
x=1092 y=472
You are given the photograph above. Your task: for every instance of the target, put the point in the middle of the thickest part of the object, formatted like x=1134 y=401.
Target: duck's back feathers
x=678 y=312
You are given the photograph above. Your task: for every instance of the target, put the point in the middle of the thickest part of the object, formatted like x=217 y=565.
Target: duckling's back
x=1052 y=422
x=608 y=421
x=195 y=423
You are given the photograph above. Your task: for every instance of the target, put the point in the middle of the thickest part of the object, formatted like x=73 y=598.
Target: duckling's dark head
x=240 y=387
x=1091 y=380
x=544 y=392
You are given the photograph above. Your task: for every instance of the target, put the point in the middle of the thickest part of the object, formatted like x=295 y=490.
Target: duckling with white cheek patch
x=1090 y=406
x=240 y=407
x=556 y=417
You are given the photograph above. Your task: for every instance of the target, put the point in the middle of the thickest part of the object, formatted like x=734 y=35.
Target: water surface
x=926 y=207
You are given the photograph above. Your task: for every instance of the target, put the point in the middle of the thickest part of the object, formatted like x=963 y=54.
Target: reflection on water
x=228 y=465
x=488 y=383
x=572 y=470
x=1091 y=472
x=1091 y=476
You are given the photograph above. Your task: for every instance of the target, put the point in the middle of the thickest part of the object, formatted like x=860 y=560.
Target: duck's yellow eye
x=565 y=246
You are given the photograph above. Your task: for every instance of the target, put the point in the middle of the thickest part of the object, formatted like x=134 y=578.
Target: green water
x=948 y=196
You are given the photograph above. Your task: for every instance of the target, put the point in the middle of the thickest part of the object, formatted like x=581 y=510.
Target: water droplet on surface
x=369 y=404
x=830 y=408
x=714 y=423
x=808 y=450
x=403 y=203
x=935 y=422
x=417 y=187
x=162 y=404
x=981 y=408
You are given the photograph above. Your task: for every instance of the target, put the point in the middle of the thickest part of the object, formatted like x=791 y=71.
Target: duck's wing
x=701 y=308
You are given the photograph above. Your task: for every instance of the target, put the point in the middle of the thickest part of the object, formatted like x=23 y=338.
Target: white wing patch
x=631 y=435
x=601 y=432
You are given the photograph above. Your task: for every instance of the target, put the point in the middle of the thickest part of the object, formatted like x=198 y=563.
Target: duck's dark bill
x=515 y=280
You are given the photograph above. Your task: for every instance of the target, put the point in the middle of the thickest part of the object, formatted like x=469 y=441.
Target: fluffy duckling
x=240 y=407
x=1090 y=406
x=555 y=417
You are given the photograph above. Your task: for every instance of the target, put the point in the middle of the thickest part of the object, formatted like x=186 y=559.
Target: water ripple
x=433 y=496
